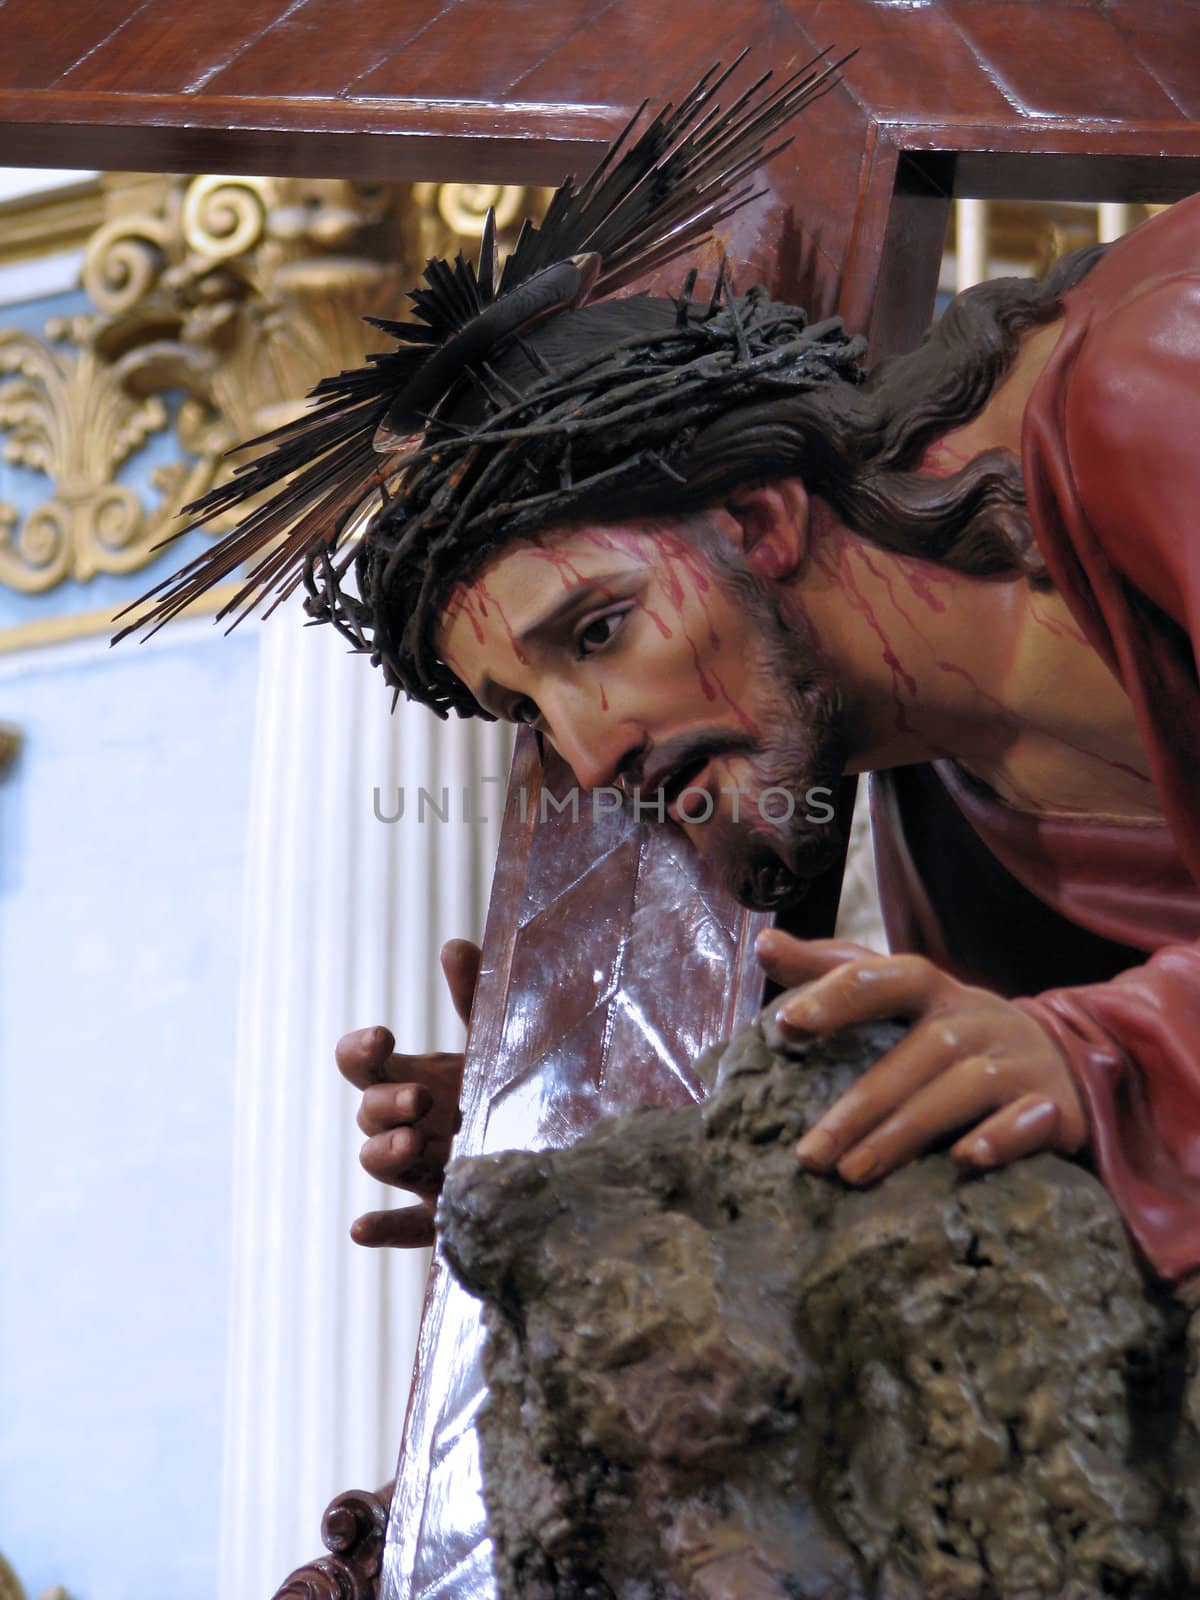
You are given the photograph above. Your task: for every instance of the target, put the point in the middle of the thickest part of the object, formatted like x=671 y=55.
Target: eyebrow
x=574 y=601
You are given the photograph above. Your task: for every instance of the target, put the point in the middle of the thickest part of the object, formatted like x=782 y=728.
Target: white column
x=1113 y=218
x=343 y=919
x=971 y=242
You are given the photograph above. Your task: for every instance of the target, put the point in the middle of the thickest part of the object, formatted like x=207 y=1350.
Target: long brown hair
x=857 y=446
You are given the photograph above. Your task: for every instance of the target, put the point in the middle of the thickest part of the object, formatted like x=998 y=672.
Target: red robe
x=1111 y=459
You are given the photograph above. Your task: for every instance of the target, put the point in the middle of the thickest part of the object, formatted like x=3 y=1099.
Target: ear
x=771 y=527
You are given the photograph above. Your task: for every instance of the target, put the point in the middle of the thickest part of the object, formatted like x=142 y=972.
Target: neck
x=935 y=663
x=931 y=663
x=993 y=673
x=996 y=675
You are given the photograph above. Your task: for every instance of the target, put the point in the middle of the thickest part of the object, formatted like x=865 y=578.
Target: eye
x=523 y=711
x=600 y=631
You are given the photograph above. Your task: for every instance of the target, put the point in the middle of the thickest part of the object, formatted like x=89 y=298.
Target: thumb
x=406 y=1228
x=791 y=961
x=460 y=963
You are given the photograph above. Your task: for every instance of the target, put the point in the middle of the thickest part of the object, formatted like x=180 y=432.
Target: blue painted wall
x=121 y=866
x=122 y=856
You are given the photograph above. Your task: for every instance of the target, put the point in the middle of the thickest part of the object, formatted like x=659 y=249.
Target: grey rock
x=714 y=1376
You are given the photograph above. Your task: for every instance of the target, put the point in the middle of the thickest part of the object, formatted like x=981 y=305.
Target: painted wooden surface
x=514 y=88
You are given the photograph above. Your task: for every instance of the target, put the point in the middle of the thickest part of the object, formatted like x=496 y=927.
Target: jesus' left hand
x=971 y=1061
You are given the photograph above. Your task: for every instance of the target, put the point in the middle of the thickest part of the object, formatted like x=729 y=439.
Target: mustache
x=686 y=750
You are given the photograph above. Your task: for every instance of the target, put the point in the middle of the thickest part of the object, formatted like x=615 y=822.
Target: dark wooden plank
x=43 y=42
x=1012 y=174
x=323 y=48
x=167 y=48
x=903 y=54
x=671 y=51
x=1155 y=162
x=492 y=67
x=304 y=90
x=796 y=240
x=1065 y=62
x=335 y=139
x=1165 y=38
x=892 y=284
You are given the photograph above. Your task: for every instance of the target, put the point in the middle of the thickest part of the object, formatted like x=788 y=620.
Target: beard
x=767 y=856
x=783 y=831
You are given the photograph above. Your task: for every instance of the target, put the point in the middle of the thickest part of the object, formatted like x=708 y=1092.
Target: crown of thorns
x=515 y=403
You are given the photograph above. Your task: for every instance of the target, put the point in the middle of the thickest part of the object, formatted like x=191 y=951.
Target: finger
x=440 y=1072
x=393 y=1156
x=406 y=1158
x=862 y=989
x=408 y=1228
x=426 y=1175
x=361 y=1054
x=1031 y=1123
x=790 y=961
x=924 y=1052
x=963 y=1094
x=460 y=964
x=439 y=1076
x=391 y=1105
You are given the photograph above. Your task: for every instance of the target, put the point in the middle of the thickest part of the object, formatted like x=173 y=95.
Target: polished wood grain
x=516 y=89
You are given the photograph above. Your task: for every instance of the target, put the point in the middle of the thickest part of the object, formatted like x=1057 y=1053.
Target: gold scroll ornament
x=218 y=303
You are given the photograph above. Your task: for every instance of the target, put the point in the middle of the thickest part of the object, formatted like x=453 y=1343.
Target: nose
x=596 y=744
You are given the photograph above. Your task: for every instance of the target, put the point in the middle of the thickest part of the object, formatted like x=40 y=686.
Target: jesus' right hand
x=409 y=1112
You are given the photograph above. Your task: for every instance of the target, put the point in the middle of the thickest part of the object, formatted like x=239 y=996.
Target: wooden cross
x=609 y=963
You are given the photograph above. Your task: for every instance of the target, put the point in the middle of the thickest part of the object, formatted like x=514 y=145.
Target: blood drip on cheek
x=748 y=725
x=682 y=572
x=656 y=619
x=674 y=555
x=702 y=677
x=677 y=553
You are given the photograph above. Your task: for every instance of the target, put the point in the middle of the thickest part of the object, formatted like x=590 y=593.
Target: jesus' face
x=653 y=659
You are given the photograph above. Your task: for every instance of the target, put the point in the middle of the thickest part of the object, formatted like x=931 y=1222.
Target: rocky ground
x=716 y=1377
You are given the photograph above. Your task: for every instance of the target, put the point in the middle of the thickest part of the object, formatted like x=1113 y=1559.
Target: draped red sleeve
x=1111 y=459
x=1112 y=467
x=1134 y=1044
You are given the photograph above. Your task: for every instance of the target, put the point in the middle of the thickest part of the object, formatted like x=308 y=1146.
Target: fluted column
x=343 y=917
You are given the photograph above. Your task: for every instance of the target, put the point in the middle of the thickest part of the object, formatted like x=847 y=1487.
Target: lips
x=687 y=763
x=690 y=776
x=666 y=782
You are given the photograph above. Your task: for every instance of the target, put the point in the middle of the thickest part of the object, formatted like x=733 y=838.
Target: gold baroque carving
x=75 y=417
x=219 y=301
x=450 y=216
